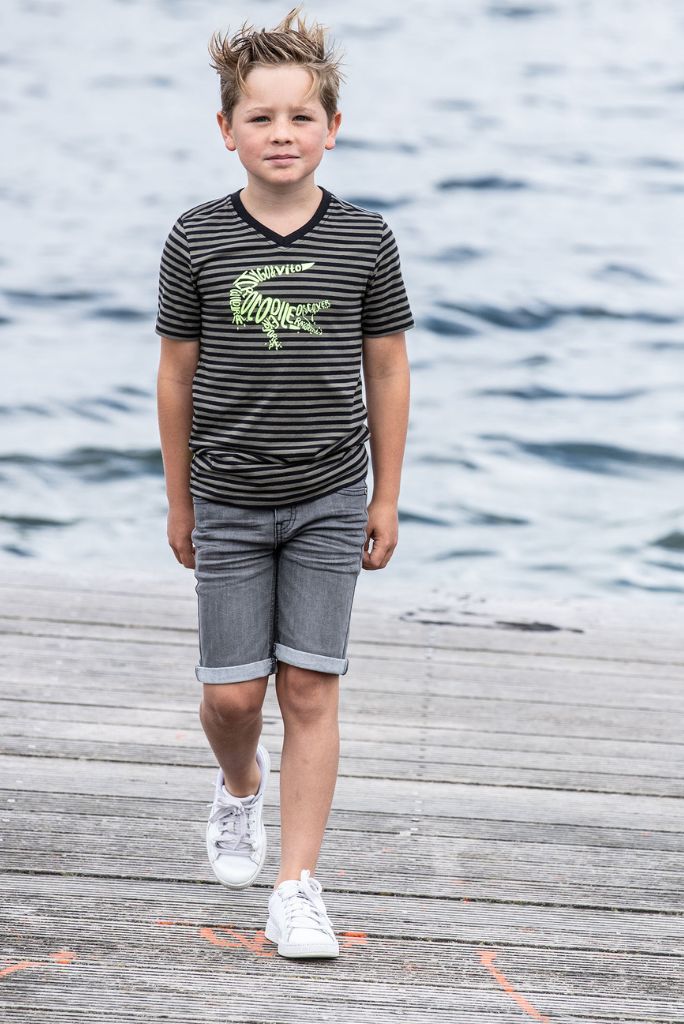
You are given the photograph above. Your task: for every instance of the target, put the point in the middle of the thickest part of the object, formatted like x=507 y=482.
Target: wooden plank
x=552 y=771
x=558 y=837
x=502 y=716
x=412 y=796
x=392 y=636
x=57 y=647
x=167 y=744
x=476 y=870
x=93 y=900
x=179 y=727
x=514 y=678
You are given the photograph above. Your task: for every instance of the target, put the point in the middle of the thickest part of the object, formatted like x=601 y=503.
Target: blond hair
x=234 y=58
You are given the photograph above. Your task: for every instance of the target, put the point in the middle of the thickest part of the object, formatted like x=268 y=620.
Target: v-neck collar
x=267 y=232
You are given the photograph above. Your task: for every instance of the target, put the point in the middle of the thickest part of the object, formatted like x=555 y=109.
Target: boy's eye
x=262 y=117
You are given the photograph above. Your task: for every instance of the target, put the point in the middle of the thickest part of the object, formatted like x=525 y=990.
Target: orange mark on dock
x=487 y=957
x=257 y=943
x=349 y=939
x=237 y=940
x=63 y=957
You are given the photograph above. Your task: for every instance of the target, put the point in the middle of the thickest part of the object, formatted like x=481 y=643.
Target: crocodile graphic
x=249 y=305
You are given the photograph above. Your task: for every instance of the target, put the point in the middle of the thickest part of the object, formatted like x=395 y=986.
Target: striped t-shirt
x=278 y=410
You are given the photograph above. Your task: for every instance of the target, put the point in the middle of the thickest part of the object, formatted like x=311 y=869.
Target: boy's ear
x=225 y=129
x=333 y=127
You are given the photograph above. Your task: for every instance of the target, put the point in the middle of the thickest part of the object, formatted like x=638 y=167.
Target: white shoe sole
x=296 y=950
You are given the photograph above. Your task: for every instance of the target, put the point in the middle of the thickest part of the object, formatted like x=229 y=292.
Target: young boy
x=270 y=299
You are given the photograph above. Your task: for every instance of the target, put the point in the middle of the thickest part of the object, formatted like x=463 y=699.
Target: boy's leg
x=235 y=572
x=231 y=717
x=308 y=768
x=319 y=564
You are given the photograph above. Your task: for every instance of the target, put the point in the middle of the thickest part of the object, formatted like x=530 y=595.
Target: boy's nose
x=282 y=130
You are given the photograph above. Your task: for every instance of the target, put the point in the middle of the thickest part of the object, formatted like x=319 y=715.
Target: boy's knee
x=233 y=702
x=304 y=692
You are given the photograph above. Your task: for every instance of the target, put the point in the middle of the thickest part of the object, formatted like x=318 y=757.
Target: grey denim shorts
x=277 y=584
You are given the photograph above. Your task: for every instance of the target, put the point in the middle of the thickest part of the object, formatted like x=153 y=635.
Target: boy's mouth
x=282 y=157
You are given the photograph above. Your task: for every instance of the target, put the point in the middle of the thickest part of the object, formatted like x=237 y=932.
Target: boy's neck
x=302 y=198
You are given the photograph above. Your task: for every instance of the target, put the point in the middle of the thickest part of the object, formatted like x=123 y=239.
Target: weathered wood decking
x=505 y=842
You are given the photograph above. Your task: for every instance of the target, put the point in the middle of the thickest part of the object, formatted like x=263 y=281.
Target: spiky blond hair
x=233 y=59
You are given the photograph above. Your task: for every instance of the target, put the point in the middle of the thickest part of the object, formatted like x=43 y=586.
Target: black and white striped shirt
x=278 y=410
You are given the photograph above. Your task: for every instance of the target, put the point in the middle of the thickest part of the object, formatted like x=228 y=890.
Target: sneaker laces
x=303 y=905
x=237 y=824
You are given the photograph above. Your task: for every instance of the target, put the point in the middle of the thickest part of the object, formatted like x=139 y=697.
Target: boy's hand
x=383 y=530
x=179 y=526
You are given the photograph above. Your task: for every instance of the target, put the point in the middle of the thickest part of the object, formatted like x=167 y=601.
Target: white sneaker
x=298 y=920
x=236 y=837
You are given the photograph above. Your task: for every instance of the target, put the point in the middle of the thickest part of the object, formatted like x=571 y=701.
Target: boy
x=269 y=300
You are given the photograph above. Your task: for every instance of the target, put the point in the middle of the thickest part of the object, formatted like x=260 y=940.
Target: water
x=529 y=159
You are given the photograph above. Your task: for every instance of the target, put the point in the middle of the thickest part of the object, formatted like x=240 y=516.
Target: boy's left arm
x=387 y=385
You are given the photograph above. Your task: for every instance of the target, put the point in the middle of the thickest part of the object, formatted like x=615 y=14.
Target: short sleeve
x=178 y=311
x=386 y=307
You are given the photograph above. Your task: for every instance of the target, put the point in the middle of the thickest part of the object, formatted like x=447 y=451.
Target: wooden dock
x=505 y=843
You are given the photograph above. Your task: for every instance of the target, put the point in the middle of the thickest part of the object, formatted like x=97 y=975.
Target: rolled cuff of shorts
x=318 y=662
x=235 y=673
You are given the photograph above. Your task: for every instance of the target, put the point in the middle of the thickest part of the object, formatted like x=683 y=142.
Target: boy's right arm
x=177 y=365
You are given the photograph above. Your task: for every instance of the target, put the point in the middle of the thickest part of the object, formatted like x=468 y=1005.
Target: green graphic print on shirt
x=252 y=306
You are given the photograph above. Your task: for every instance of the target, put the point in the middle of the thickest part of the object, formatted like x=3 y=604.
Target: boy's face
x=274 y=119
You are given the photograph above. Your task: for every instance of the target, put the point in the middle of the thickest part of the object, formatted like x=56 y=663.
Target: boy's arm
x=177 y=365
x=387 y=385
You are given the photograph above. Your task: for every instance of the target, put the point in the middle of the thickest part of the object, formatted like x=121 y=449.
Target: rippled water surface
x=528 y=157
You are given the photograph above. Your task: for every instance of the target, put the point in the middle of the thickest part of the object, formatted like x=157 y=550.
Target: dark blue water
x=529 y=159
